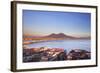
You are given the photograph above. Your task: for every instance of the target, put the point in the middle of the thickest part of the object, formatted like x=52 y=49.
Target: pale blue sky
x=47 y=22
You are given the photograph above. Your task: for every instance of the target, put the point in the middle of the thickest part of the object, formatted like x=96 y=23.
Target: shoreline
x=39 y=41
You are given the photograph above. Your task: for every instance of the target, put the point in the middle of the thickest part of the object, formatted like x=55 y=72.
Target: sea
x=68 y=45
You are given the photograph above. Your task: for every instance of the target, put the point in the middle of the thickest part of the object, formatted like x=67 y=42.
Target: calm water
x=66 y=44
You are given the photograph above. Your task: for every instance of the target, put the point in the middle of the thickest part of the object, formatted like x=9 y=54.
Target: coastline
x=53 y=54
x=26 y=42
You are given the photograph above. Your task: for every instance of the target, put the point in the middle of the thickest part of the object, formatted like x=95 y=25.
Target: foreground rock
x=44 y=54
x=53 y=54
x=78 y=54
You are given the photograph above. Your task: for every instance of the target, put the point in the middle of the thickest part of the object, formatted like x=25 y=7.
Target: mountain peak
x=59 y=35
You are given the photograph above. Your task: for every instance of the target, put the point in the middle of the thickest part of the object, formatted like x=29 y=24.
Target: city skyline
x=41 y=23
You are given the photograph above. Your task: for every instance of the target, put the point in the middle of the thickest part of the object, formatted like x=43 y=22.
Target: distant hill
x=53 y=36
x=59 y=35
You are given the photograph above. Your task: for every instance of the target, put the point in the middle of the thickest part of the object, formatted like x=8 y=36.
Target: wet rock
x=53 y=54
x=78 y=54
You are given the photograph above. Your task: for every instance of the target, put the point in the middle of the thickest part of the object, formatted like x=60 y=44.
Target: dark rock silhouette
x=60 y=35
x=78 y=54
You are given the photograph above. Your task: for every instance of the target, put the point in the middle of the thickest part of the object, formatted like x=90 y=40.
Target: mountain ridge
x=59 y=35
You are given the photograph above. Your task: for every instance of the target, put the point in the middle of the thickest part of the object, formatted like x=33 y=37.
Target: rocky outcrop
x=78 y=54
x=53 y=54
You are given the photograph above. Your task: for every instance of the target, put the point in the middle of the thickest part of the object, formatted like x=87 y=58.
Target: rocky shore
x=53 y=54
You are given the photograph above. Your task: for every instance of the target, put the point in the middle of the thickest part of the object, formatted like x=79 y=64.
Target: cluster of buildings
x=53 y=54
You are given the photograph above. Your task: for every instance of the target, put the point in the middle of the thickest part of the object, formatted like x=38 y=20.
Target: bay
x=68 y=45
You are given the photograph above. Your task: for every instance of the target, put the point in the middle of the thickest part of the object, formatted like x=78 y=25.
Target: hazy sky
x=47 y=22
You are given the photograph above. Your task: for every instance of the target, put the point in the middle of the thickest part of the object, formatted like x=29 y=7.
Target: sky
x=41 y=23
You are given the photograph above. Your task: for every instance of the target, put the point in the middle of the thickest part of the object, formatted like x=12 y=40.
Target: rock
x=78 y=54
x=53 y=54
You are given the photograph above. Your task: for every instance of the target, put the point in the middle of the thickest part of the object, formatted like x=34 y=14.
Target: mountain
x=60 y=35
x=53 y=36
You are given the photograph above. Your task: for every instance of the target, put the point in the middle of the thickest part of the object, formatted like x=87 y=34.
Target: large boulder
x=78 y=54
